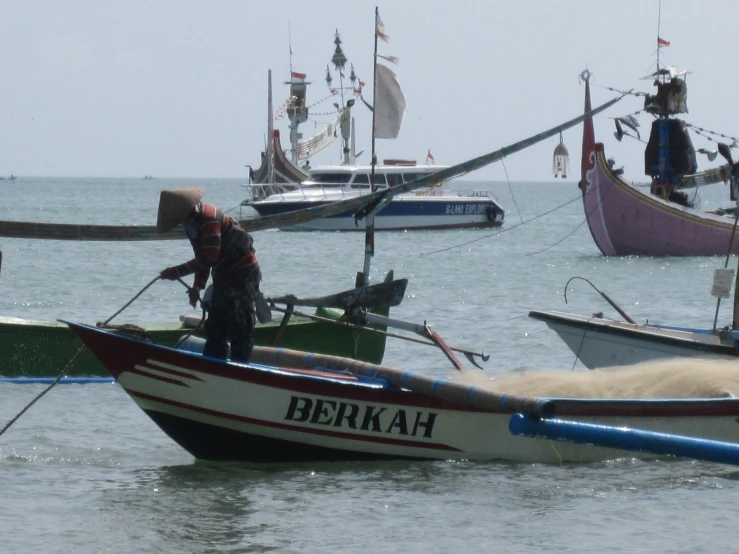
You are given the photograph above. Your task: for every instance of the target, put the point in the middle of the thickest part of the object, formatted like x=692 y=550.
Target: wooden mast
x=270 y=132
x=369 y=234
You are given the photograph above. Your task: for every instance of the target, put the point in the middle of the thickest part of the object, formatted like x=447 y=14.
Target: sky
x=178 y=88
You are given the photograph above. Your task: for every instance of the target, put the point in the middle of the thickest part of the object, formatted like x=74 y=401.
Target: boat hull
x=252 y=412
x=599 y=343
x=402 y=213
x=284 y=170
x=626 y=220
x=30 y=348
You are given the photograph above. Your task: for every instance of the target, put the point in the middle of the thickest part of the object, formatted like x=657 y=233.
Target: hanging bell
x=561 y=160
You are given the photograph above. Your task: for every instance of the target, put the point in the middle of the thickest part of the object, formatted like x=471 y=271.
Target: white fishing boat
x=600 y=342
x=433 y=207
x=289 y=406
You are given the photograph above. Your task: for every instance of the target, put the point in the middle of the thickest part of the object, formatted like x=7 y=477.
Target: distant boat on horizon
x=148 y=177
x=11 y=178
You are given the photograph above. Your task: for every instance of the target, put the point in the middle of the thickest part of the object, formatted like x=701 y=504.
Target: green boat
x=33 y=348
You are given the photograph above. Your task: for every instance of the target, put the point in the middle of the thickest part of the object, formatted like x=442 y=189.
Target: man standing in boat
x=222 y=247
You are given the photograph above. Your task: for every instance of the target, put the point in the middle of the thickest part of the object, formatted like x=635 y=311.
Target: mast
x=369 y=234
x=297 y=111
x=339 y=60
x=270 y=132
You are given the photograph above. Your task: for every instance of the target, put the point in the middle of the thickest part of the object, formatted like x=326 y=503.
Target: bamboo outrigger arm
x=389 y=322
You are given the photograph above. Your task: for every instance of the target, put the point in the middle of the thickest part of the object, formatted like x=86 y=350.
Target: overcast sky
x=177 y=88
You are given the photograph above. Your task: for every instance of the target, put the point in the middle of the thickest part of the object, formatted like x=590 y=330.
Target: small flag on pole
x=380 y=29
x=430 y=158
x=391 y=59
x=662 y=42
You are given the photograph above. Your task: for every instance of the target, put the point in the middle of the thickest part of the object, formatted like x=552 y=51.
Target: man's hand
x=171 y=274
x=194 y=295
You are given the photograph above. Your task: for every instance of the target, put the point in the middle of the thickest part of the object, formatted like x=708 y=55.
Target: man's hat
x=175 y=205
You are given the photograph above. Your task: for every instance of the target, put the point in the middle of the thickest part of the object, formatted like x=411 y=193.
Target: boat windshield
x=339 y=178
x=364 y=178
x=394 y=179
x=408 y=177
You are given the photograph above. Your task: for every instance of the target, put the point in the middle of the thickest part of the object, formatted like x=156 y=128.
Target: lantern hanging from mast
x=561 y=160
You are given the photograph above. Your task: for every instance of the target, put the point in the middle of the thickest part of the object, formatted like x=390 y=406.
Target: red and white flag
x=662 y=42
x=429 y=157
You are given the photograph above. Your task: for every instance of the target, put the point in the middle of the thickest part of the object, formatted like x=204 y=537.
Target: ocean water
x=84 y=470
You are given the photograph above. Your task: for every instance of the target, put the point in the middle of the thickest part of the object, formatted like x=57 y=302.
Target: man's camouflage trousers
x=231 y=318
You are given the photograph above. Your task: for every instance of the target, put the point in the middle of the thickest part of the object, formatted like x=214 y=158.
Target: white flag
x=391 y=59
x=389 y=104
x=380 y=29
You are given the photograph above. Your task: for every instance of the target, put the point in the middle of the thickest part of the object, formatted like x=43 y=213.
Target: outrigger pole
x=364 y=203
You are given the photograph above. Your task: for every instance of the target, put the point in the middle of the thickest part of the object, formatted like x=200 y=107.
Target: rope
x=560 y=241
x=47 y=389
x=726 y=264
x=131 y=301
x=700 y=131
x=71 y=362
x=202 y=317
x=568 y=235
x=578 y=197
x=579 y=350
x=511 y=189
x=504 y=230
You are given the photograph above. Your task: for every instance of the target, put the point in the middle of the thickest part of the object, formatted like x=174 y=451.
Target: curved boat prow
x=588 y=134
x=591 y=201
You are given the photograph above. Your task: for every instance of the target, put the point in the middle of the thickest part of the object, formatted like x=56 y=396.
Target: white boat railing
x=322 y=191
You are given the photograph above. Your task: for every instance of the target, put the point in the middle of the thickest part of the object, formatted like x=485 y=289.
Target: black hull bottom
x=210 y=442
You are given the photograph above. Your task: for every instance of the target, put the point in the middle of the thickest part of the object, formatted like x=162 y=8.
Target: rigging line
x=71 y=362
x=726 y=264
x=43 y=392
x=587 y=215
x=231 y=209
x=619 y=91
x=154 y=280
x=560 y=241
x=577 y=355
x=503 y=230
x=511 y=189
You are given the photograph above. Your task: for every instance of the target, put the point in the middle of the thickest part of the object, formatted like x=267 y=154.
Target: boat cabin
x=352 y=177
x=672 y=92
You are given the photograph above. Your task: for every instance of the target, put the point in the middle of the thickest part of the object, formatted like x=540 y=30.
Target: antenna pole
x=290 y=47
x=659 y=21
